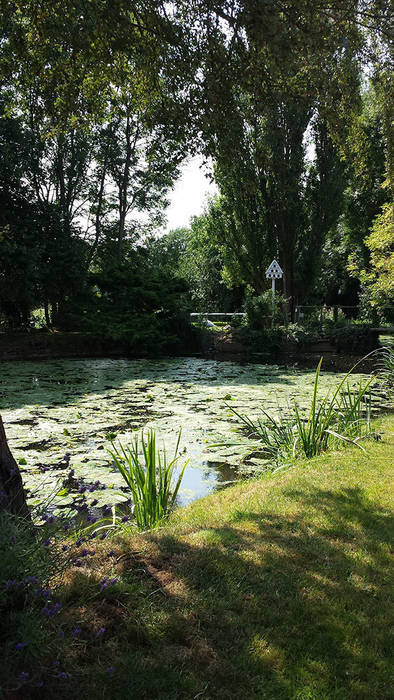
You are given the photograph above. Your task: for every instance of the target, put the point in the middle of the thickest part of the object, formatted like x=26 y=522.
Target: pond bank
x=43 y=345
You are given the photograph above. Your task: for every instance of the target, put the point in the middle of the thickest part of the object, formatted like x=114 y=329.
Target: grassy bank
x=274 y=588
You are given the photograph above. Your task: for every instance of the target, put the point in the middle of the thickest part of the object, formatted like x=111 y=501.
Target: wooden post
x=12 y=495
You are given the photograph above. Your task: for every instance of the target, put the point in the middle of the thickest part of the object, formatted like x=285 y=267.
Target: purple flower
x=21 y=645
x=111 y=553
x=84 y=552
x=48 y=611
x=23 y=676
x=64 y=548
x=91 y=519
x=12 y=583
x=61 y=633
x=103 y=584
x=113 y=581
x=66 y=526
x=92 y=488
x=82 y=489
x=94 y=503
x=104 y=535
x=47 y=542
x=77 y=563
x=46 y=594
x=77 y=632
x=93 y=535
x=62 y=676
x=110 y=670
x=101 y=631
x=30 y=580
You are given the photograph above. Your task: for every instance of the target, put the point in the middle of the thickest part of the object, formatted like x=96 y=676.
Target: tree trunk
x=288 y=285
x=47 y=316
x=12 y=495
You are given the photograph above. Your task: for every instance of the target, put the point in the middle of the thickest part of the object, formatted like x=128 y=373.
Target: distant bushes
x=142 y=308
x=354 y=339
x=258 y=335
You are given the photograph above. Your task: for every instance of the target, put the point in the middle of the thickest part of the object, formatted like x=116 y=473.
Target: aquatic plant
x=338 y=416
x=149 y=475
x=342 y=415
x=386 y=368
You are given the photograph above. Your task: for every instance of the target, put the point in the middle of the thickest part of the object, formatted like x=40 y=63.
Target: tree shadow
x=294 y=608
x=59 y=382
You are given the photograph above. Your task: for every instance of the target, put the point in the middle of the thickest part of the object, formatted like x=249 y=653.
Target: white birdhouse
x=274 y=271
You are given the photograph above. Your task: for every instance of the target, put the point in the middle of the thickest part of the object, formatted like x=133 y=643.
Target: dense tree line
x=100 y=102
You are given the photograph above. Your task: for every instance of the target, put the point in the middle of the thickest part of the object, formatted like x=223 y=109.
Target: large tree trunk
x=12 y=495
x=288 y=283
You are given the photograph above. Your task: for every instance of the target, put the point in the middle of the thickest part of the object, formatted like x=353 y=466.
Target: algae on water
x=61 y=414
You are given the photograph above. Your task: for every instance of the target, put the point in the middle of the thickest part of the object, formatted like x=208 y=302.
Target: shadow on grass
x=288 y=606
x=295 y=610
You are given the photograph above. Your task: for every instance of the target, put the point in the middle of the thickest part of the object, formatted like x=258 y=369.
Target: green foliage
x=378 y=279
x=150 y=479
x=353 y=338
x=26 y=566
x=342 y=415
x=270 y=342
x=259 y=310
x=386 y=369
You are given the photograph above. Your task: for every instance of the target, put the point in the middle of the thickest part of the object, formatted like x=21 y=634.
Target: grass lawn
x=273 y=588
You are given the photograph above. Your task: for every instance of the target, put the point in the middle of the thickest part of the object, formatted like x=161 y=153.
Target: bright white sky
x=189 y=194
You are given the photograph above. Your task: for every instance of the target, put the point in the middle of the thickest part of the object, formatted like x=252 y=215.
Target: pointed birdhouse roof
x=274 y=271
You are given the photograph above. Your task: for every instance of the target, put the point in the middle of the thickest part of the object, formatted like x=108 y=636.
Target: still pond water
x=58 y=415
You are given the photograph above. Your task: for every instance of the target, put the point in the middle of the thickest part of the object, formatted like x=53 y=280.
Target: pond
x=58 y=415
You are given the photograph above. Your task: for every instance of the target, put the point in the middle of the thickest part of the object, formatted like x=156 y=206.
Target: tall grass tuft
x=386 y=369
x=149 y=473
x=342 y=415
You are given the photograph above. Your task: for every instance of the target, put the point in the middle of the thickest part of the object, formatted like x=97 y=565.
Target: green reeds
x=148 y=473
x=342 y=415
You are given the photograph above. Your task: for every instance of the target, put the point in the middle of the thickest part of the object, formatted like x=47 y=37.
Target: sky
x=189 y=194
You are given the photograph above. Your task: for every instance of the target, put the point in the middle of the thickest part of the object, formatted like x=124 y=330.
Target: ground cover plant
x=277 y=587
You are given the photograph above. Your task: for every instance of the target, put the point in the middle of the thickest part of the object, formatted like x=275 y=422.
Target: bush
x=271 y=342
x=259 y=310
x=354 y=339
